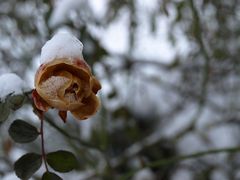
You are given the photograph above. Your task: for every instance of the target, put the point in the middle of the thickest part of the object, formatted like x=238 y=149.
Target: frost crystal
x=53 y=84
x=10 y=83
x=62 y=45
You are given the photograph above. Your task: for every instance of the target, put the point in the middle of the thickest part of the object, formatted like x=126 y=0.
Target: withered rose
x=67 y=84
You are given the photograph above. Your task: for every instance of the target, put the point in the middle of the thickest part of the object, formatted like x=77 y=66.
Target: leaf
x=27 y=165
x=62 y=161
x=22 y=132
x=15 y=101
x=50 y=176
x=4 y=111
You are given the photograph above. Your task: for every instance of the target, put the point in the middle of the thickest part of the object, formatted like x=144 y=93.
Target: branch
x=66 y=134
x=203 y=48
x=206 y=70
x=174 y=160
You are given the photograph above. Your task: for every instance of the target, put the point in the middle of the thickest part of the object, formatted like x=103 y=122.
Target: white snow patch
x=219 y=174
x=10 y=83
x=114 y=37
x=11 y=176
x=196 y=141
x=223 y=136
x=99 y=7
x=181 y=174
x=144 y=174
x=153 y=46
x=61 y=11
x=62 y=45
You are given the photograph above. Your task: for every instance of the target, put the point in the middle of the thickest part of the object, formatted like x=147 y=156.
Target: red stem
x=42 y=144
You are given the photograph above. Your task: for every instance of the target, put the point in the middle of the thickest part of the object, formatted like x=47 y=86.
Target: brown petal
x=68 y=84
x=91 y=105
x=81 y=64
x=64 y=87
x=39 y=102
x=95 y=84
x=84 y=89
x=63 y=115
x=48 y=90
x=58 y=65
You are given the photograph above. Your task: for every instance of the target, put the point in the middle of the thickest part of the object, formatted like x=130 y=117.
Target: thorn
x=63 y=115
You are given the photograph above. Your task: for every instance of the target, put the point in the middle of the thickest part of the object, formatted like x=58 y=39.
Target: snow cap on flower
x=62 y=45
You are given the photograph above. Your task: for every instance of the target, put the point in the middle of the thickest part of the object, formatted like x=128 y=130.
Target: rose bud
x=64 y=80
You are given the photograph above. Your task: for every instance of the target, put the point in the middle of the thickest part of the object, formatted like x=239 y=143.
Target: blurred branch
x=66 y=134
x=165 y=162
x=205 y=80
x=174 y=160
x=79 y=140
x=137 y=147
x=203 y=48
x=129 y=62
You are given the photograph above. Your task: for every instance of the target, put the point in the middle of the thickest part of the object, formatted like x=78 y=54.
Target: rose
x=66 y=84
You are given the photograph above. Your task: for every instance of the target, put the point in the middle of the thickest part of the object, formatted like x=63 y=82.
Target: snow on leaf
x=10 y=83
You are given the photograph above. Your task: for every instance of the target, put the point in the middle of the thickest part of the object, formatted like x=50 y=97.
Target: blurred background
x=170 y=75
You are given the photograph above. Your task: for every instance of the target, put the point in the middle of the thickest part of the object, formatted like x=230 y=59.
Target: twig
x=174 y=160
x=66 y=134
x=205 y=80
x=203 y=48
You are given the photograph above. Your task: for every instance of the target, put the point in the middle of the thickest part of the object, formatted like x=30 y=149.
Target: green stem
x=42 y=144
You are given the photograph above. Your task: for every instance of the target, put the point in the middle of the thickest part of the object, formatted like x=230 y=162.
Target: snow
x=99 y=8
x=11 y=83
x=144 y=174
x=62 y=11
x=62 y=45
x=58 y=82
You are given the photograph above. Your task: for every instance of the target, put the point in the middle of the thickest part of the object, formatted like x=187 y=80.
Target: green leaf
x=22 y=132
x=4 y=111
x=50 y=176
x=15 y=101
x=62 y=161
x=27 y=165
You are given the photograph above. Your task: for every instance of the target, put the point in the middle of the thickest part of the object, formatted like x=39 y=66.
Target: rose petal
x=39 y=102
x=84 y=89
x=64 y=87
x=68 y=84
x=81 y=64
x=95 y=84
x=88 y=109
x=58 y=65
x=63 y=115
x=48 y=90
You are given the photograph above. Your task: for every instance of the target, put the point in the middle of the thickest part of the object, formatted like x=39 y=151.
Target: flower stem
x=42 y=144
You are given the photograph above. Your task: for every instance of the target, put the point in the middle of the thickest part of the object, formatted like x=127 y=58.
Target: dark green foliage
x=50 y=176
x=164 y=149
x=27 y=165
x=15 y=101
x=62 y=161
x=4 y=111
x=11 y=102
x=22 y=132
